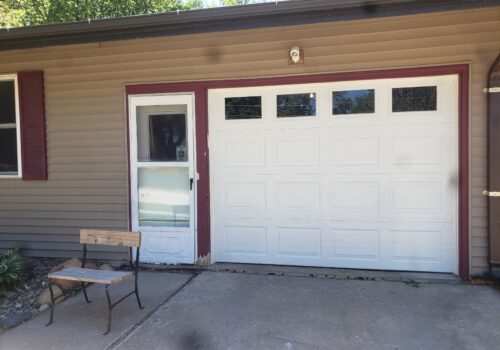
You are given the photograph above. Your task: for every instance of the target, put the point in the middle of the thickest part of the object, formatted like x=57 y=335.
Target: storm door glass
x=163 y=166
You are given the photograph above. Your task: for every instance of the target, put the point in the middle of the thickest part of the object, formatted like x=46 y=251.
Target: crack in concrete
x=125 y=335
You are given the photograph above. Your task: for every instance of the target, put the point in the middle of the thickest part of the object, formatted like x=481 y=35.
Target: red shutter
x=32 y=114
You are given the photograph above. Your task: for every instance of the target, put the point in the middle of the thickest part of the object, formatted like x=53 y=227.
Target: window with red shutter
x=10 y=137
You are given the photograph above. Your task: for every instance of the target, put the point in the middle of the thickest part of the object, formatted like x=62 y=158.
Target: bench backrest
x=114 y=238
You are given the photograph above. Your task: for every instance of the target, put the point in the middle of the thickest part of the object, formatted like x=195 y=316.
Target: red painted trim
x=32 y=120
x=200 y=88
x=202 y=168
x=463 y=175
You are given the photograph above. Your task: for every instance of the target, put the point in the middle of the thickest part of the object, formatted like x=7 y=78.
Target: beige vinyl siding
x=87 y=157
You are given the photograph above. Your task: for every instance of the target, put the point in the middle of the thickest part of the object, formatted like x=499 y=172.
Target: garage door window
x=249 y=107
x=296 y=105
x=413 y=99
x=353 y=102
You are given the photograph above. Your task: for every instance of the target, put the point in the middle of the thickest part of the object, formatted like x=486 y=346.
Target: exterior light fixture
x=296 y=56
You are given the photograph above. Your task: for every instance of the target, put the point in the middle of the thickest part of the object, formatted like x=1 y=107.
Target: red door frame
x=200 y=89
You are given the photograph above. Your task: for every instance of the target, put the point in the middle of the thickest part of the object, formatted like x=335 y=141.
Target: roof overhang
x=272 y=14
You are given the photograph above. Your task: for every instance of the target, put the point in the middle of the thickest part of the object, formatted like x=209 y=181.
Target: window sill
x=17 y=176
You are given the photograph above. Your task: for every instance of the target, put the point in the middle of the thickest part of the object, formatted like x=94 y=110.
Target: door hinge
x=491 y=194
x=491 y=90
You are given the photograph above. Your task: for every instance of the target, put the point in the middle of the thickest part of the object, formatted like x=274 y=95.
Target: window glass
x=8 y=133
x=7 y=102
x=412 y=99
x=164 y=197
x=243 y=107
x=353 y=102
x=161 y=134
x=296 y=105
x=8 y=151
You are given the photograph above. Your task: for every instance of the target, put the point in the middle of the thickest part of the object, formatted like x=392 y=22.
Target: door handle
x=491 y=194
x=191 y=181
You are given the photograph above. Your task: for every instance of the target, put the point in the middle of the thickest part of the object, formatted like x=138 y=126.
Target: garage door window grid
x=247 y=107
x=414 y=99
x=353 y=102
x=296 y=105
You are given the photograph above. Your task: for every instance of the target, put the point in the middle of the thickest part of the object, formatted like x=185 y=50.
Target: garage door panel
x=298 y=242
x=354 y=196
x=355 y=244
x=296 y=151
x=245 y=196
x=244 y=152
x=353 y=149
x=246 y=240
x=297 y=196
x=373 y=190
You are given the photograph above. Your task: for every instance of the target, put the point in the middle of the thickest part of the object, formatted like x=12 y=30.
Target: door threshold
x=338 y=273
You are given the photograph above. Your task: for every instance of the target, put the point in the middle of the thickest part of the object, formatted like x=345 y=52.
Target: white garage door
x=348 y=174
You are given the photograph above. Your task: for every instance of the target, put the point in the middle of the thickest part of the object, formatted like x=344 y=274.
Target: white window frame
x=3 y=175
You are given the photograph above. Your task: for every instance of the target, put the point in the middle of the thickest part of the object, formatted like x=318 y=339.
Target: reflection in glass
x=8 y=151
x=296 y=105
x=354 y=101
x=422 y=98
x=161 y=134
x=7 y=102
x=243 y=107
x=164 y=197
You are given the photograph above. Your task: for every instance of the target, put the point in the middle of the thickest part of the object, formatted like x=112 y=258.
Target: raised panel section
x=415 y=150
x=304 y=242
x=244 y=153
x=416 y=196
x=416 y=245
x=355 y=244
x=355 y=196
x=245 y=195
x=353 y=150
x=246 y=240
x=164 y=243
x=298 y=195
x=297 y=152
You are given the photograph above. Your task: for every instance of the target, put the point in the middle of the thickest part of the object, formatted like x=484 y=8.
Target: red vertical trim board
x=463 y=175
x=200 y=88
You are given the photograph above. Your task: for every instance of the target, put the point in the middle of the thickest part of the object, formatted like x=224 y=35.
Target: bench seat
x=91 y=275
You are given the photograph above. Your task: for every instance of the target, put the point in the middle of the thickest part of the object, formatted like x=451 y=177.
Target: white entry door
x=359 y=174
x=162 y=176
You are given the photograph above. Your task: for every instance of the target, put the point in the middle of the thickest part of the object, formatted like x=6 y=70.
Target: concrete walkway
x=78 y=325
x=221 y=310
x=240 y=311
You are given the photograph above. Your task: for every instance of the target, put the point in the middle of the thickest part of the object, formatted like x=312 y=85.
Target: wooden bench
x=107 y=278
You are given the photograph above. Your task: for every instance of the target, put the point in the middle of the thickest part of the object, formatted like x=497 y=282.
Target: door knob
x=491 y=194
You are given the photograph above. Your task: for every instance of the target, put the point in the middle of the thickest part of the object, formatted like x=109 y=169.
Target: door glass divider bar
x=172 y=164
x=8 y=126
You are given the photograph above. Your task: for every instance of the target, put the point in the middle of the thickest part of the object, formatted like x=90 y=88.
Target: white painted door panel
x=375 y=191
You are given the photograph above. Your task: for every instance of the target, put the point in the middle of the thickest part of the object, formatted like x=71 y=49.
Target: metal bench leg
x=136 y=277
x=136 y=291
x=52 y=306
x=110 y=309
x=85 y=293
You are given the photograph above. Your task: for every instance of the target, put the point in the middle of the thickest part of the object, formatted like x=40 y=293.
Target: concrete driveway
x=222 y=310
x=241 y=311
